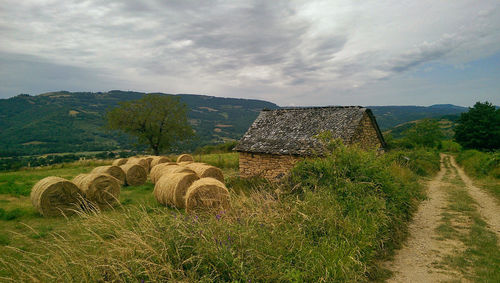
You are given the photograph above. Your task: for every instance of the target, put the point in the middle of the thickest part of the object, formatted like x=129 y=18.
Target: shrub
x=480 y=164
x=450 y=146
x=421 y=161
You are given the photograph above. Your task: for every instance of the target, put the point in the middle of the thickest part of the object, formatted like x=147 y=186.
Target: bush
x=421 y=161
x=480 y=164
x=450 y=146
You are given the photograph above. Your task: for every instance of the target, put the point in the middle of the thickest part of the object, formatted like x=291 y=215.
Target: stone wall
x=366 y=135
x=269 y=166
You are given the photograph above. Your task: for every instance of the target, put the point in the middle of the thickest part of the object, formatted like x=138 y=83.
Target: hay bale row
x=204 y=171
x=207 y=193
x=112 y=170
x=54 y=196
x=185 y=158
x=171 y=189
x=101 y=189
x=135 y=174
x=157 y=171
x=187 y=190
x=159 y=160
x=140 y=161
x=119 y=161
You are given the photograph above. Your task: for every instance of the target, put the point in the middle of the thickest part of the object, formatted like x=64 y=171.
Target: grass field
x=310 y=227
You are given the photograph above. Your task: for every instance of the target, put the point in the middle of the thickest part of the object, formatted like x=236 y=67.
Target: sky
x=293 y=53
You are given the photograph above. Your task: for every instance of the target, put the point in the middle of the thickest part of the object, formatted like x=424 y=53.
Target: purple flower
x=218 y=216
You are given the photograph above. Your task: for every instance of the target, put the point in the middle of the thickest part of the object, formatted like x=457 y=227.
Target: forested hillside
x=72 y=122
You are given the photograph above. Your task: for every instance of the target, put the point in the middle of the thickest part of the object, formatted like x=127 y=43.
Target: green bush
x=450 y=146
x=421 y=161
x=480 y=164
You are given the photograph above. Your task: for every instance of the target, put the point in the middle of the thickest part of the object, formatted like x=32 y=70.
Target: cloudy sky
x=399 y=52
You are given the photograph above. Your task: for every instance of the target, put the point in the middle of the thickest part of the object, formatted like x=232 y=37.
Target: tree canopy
x=425 y=133
x=158 y=121
x=479 y=128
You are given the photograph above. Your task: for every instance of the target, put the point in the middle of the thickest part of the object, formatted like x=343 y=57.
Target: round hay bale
x=156 y=173
x=171 y=189
x=174 y=169
x=141 y=161
x=158 y=160
x=53 y=196
x=149 y=159
x=135 y=174
x=206 y=171
x=99 y=188
x=185 y=157
x=120 y=161
x=207 y=193
x=112 y=170
x=184 y=163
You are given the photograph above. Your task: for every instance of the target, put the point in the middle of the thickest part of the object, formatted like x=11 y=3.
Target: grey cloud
x=30 y=74
x=254 y=48
x=424 y=53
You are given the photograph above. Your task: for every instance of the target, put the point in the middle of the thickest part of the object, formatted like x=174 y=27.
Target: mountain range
x=74 y=121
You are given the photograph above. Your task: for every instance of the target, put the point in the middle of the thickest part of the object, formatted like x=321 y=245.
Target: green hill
x=391 y=116
x=446 y=123
x=73 y=121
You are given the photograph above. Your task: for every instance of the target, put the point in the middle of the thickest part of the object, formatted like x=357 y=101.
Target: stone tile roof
x=291 y=131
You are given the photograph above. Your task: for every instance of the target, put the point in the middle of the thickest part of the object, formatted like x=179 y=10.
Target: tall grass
x=480 y=164
x=330 y=221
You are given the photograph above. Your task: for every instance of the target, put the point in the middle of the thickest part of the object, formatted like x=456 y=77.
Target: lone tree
x=479 y=128
x=156 y=120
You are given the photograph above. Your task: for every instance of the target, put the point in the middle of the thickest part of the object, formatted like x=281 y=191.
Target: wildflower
x=218 y=216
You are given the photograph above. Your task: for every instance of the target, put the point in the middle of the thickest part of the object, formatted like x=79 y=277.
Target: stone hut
x=279 y=138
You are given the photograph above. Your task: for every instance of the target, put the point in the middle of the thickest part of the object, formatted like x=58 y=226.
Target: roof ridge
x=314 y=107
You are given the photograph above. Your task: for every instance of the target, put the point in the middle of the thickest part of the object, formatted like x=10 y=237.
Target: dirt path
x=487 y=206
x=419 y=260
x=415 y=261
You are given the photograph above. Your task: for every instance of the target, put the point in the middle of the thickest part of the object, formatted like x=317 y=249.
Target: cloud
x=301 y=52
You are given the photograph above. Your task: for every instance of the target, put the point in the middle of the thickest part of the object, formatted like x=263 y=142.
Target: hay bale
x=207 y=193
x=112 y=170
x=99 y=188
x=184 y=163
x=156 y=171
x=185 y=157
x=141 y=161
x=206 y=171
x=175 y=169
x=53 y=196
x=149 y=159
x=120 y=161
x=135 y=174
x=171 y=189
x=158 y=160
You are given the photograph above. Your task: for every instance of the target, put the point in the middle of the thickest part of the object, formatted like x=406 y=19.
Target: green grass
x=19 y=183
x=480 y=260
x=333 y=220
x=484 y=167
